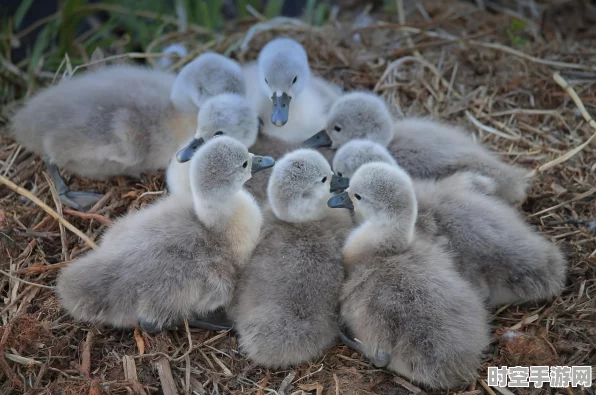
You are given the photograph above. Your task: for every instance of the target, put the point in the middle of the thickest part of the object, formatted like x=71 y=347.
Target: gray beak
x=338 y=183
x=281 y=109
x=320 y=139
x=341 y=200
x=187 y=152
x=381 y=360
x=261 y=163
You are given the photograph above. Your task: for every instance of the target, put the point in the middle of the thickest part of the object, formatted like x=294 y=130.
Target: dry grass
x=448 y=69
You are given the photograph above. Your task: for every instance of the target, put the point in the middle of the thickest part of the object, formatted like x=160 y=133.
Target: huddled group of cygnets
x=399 y=249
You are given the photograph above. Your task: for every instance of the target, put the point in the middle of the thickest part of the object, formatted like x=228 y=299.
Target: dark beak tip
x=262 y=163
x=186 y=153
x=321 y=139
x=182 y=157
x=341 y=200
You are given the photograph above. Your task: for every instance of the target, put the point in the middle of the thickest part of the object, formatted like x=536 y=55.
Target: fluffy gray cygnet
x=178 y=258
x=403 y=299
x=285 y=308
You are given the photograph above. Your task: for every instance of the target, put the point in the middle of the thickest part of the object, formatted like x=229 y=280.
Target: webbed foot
x=80 y=201
x=149 y=327
x=216 y=320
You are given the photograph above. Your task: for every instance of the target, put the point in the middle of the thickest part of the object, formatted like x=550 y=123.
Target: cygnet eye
x=267 y=82
x=219 y=133
x=358 y=196
x=339 y=174
x=337 y=128
x=324 y=179
x=295 y=79
x=245 y=164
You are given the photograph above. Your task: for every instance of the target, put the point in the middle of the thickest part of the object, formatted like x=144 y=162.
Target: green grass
x=131 y=28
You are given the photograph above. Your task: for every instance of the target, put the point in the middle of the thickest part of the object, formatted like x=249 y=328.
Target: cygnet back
x=86 y=124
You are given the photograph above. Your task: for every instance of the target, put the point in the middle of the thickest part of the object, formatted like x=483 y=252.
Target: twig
x=578 y=197
x=574 y=96
x=568 y=221
x=3 y=364
x=85 y=367
x=489 y=129
x=504 y=391
x=58 y=204
x=38 y=268
x=129 y=55
x=407 y=385
x=336 y=384
x=269 y=25
x=524 y=322
x=180 y=358
x=130 y=374
x=287 y=381
x=554 y=63
x=187 y=375
x=168 y=386
x=139 y=340
x=25 y=282
x=486 y=387
x=99 y=218
x=47 y=209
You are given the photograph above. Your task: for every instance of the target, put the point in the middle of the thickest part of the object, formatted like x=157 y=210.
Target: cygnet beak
x=381 y=360
x=341 y=200
x=320 y=139
x=216 y=320
x=261 y=163
x=187 y=152
x=338 y=183
x=281 y=109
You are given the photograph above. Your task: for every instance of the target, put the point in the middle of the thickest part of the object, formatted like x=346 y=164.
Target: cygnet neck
x=390 y=236
x=321 y=212
x=217 y=212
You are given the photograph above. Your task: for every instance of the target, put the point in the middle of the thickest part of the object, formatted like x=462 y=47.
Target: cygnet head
x=355 y=115
x=284 y=73
x=384 y=195
x=299 y=186
x=356 y=153
x=221 y=166
x=208 y=75
x=227 y=114
x=167 y=61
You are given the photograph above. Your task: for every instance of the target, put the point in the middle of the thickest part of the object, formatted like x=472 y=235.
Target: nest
x=454 y=62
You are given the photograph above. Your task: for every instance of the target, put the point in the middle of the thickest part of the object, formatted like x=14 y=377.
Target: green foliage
x=44 y=39
x=390 y=6
x=316 y=14
x=21 y=11
x=69 y=23
x=132 y=25
x=273 y=8
x=516 y=27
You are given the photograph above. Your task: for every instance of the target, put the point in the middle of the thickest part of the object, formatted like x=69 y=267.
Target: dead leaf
x=94 y=389
x=85 y=368
x=314 y=386
x=131 y=194
x=139 y=340
x=263 y=384
x=558 y=189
